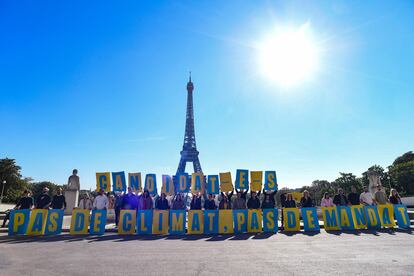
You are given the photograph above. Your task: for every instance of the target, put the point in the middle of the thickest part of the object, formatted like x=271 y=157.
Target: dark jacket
x=290 y=203
x=353 y=198
x=25 y=203
x=162 y=204
x=243 y=194
x=268 y=204
x=58 y=202
x=306 y=202
x=395 y=200
x=210 y=204
x=271 y=195
x=224 y=204
x=43 y=201
x=130 y=202
x=283 y=200
x=253 y=203
x=337 y=200
x=195 y=203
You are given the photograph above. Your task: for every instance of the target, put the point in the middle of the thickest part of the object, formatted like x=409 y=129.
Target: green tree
x=37 y=188
x=346 y=181
x=402 y=173
x=10 y=172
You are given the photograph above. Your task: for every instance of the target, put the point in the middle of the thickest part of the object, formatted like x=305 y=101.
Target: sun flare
x=288 y=56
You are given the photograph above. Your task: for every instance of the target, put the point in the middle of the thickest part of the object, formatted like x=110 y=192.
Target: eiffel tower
x=189 y=152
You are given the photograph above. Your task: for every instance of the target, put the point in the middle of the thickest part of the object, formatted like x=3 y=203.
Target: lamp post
x=2 y=190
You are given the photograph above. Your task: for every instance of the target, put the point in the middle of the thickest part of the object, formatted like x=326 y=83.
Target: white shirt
x=100 y=202
x=366 y=198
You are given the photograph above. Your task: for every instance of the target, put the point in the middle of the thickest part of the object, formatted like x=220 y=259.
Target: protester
x=267 y=202
x=327 y=201
x=243 y=194
x=395 y=197
x=380 y=196
x=178 y=203
x=282 y=205
x=44 y=200
x=229 y=195
x=353 y=197
x=290 y=202
x=85 y=203
x=306 y=200
x=271 y=196
x=162 y=203
x=111 y=201
x=340 y=198
x=239 y=202
x=254 y=201
x=195 y=202
x=6 y=218
x=146 y=202
x=25 y=202
x=59 y=201
x=118 y=206
x=210 y=203
x=366 y=197
x=129 y=200
x=101 y=201
x=225 y=203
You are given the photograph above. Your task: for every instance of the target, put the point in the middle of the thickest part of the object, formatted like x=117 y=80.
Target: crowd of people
x=243 y=200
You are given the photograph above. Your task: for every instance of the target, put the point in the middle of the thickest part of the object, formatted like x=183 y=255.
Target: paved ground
x=387 y=252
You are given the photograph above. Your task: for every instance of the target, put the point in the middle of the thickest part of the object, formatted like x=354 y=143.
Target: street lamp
x=2 y=190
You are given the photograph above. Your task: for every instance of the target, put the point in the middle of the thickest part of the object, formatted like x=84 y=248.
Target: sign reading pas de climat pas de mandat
x=49 y=222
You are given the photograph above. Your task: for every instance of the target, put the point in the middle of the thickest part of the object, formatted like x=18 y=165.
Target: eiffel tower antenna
x=189 y=152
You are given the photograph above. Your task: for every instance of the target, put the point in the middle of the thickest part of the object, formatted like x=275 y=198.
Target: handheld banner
x=103 y=181
x=213 y=185
x=291 y=220
x=134 y=180
x=167 y=185
x=118 y=182
x=160 y=222
x=401 y=215
x=98 y=222
x=177 y=222
x=195 y=222
x=226 y=185
x=372 y=216
x=386 y=213
x=358 y=213
x=330 y=218
x=54 y=222
x=19 y=219
x=197 y=183
x=346 y=221
x=254 y=220
x=310 y=219
x=256 y=178
x=127 y=222
x=182 y=185
x=144 y=222
x=79 y=222
x=242 y=179
x=240 y=221
x=151 y=184
x=270 y=220
x=211 y=221
x=270 y=181
x=37 y=222
x=226 y=222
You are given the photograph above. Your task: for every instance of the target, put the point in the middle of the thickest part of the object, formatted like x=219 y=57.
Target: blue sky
x=100 y=86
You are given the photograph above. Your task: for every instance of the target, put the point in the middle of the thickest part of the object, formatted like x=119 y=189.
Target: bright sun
x=288 y=56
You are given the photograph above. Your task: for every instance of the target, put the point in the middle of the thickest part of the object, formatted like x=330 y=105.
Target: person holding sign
x=243 y=194
x=267 y=202
x=225 y=203
x=145 y=201
x=195 y=202
x=290 y=202
x=162 y=203
x=59 y=201
x=380 y=196
x=271 y=196
x=353 y=197
x=366 y=197
x=44 y=200
x=239 y=203
x=101 y=201
x=395 y=197
x=210 y=203
x=178 y=203
x=254 y=201
x=327 y=201
x=306 y=200
x=130 y=200
x=340 y=198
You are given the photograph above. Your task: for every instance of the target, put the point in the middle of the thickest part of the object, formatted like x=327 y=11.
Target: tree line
x=399 y=175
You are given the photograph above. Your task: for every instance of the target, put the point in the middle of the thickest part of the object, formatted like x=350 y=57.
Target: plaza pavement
x=385 y=252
